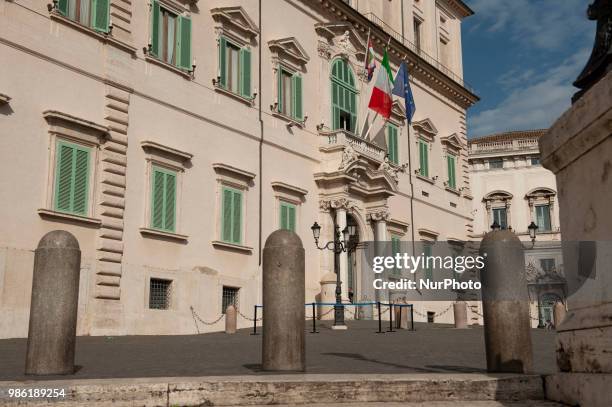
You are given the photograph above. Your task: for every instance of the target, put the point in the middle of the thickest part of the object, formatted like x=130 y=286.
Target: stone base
x=339 y=327
x=584 y=389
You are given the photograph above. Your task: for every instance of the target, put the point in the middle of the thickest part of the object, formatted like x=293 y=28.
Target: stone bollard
x=54 y=304
x=284 y=313
x=230 y=319
x=328 y=295
x=558 y=313
x=505 y=304
x=460 y=312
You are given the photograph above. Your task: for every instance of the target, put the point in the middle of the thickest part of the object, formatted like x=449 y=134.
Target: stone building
x=171 y=137
x=511 y=188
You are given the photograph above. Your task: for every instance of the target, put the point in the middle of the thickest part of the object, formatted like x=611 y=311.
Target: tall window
x=535 y=160
x=231 y=216
x=444 y=53
x=287 y=216
x=91 y=13
x=344 y=97
x=234 y=68
x=496 y=163
x=500 y=215
x=417 y=33
x=392 y=143
x=170 y=37
x=229 y=297
x=163 y=199
x=427 y=252
x=72 y=178
x=290 y=94
x=547 y=265
x=542 y=213
x=452 y=168
x=423 y=158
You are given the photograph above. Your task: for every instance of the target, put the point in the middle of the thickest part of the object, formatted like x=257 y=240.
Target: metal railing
x=373 y=18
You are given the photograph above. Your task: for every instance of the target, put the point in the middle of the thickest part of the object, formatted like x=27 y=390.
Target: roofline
x=534 y=133
x=462 y=7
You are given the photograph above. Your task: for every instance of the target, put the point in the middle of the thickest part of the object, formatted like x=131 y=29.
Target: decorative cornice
x=4 y=98
x=233 y=171
x=290 y=47
x=281 y=186
x=236 y=17
x=152 y=146
x=55 y=117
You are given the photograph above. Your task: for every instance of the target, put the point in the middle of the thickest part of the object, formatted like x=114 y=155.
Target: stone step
x=295 y=389
x=527 y=403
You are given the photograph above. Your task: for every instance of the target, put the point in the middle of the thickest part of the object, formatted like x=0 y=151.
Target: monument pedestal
x=578 y=149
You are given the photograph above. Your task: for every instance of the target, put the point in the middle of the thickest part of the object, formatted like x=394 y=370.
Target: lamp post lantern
x=533 y=229
x=338 y=245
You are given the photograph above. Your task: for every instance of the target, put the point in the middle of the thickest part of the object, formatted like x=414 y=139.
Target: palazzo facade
x=171 y=137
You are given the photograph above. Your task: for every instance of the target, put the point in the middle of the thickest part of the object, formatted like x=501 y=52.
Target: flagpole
x=365 y=66
x=365 y=136
x=365 y=61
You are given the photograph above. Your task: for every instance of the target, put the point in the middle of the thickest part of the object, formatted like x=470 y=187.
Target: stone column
x=341 y=207
x=578 y=149
x=53 y=311
x=379 y=219
x=230 y=320
x=460 y=313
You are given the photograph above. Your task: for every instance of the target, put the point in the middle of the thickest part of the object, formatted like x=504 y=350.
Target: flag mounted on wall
x=381 y=99
x=370 y=61
x=403 y=90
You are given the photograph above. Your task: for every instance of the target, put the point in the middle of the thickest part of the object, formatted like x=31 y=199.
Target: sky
x=521 y=57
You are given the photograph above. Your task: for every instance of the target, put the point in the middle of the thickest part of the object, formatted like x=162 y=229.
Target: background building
x=172 y=137
x=512 y=188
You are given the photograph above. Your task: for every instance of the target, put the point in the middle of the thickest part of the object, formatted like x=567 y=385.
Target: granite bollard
x=505 y=304
x=460 y=314
x=284 y=313
x=230 y=320
x=54 y=304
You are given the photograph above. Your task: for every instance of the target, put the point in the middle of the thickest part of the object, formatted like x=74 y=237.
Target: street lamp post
x=338 y=246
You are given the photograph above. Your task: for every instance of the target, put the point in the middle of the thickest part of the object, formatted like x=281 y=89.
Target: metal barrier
x=379 y=304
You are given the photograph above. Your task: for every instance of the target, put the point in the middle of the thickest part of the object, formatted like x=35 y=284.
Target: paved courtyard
x=429 y=349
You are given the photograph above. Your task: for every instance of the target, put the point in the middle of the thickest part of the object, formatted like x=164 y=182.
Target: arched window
x=497 y=204
x=344 y=97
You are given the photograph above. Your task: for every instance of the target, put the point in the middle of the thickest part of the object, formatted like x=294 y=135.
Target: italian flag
x=381 y=99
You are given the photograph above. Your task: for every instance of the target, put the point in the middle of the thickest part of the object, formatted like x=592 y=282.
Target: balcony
x=515 y=145
x=341 y=138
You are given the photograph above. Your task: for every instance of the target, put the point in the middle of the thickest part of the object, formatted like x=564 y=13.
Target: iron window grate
x=159 y=293
x=229 y=297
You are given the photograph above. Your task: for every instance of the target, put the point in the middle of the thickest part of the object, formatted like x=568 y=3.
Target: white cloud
x=544 y=24
x=536 y=104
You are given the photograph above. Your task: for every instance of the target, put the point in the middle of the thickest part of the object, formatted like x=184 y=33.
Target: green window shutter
x=226 y=215
x=245 y=72
x=72 y=178
x=62 y=7
x=298 y=113
x=81 y=182
x=395 y=249
x=101 y=15
x=335 y=107
x=291 y=220
x=155 y=35
x=170 y=202
x=392 y=143
x=63 y=177
x=424 y=158
x=284 y=216
x=287 y=216
x=451 y=171
x=222 y=62
x=157 y=199
x=237 y=218
x=279 y=106
x=184 y=43
x=353 y=110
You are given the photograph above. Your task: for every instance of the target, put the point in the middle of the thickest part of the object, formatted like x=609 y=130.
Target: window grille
x=159 y=293
x=229 y=297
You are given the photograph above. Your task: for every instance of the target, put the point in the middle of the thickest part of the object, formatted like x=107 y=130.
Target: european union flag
x=402 y=89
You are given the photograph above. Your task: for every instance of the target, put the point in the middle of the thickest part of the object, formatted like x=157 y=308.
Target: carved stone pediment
x=425 y=127
x=288 y=49
x=343 y=38
x=235 y=19
x=452 y=141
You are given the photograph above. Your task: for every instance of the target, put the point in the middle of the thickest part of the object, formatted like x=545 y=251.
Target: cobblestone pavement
x=432 y=348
